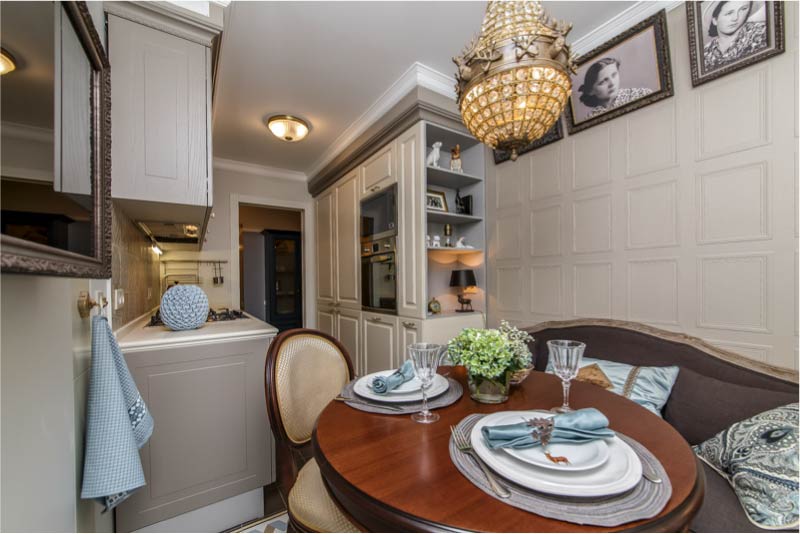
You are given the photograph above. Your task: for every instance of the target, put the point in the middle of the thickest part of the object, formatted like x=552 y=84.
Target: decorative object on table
x=426 y=358
x=384 y=384
x=464 y=279
x=758 y=457
x=626 y=73
x=435 y=201
x=184 y=307
x=519 y=340
x=455 y=159
x=643 y=500
x=434 y=306
x=513 y=81
x=433 y=158
x=118 y=424
x=566 y=357
x=725 y=37
x=452 y=393
x=555 y=133
x=437 y=242
x=448 y=232
x=649 y=387
x=490 y=356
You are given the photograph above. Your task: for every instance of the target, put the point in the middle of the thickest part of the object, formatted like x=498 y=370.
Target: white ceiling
x=328 y=62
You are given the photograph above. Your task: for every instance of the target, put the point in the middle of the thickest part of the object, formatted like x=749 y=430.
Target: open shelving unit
x=443 y=260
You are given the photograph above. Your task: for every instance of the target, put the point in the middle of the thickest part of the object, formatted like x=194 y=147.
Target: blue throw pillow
x=758 y=457
x=647 y=386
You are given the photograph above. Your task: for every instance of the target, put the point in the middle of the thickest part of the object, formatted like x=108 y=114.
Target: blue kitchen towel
x=118 y=424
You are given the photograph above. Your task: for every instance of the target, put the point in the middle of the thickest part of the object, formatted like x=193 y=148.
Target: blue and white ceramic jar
x=184 y=307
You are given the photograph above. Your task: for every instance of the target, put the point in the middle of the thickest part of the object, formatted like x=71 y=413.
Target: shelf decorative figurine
x=433 y=157
x=492 y=357
x=463 y=204
x=464 y=279
x=448 y=231
x=434 y=306
x=455 y=159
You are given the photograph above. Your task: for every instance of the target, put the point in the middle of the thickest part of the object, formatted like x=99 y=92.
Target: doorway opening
x=271 y=264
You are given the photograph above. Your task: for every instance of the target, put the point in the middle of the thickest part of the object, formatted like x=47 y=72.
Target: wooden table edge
x=376 y=516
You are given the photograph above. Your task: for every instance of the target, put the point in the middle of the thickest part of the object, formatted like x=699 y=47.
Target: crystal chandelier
x=513 y=80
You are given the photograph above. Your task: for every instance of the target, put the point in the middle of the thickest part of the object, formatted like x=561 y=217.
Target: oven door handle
x=382 y=258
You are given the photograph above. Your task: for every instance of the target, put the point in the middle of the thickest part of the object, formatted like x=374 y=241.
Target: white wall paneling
x=682 y=214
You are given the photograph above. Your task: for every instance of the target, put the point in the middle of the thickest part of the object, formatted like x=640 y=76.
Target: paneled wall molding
x=683 y=214
x=674 y=337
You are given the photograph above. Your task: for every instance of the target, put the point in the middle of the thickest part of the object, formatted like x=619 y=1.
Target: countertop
x=139 y=336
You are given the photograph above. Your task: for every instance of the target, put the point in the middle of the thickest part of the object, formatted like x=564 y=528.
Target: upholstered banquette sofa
x=714 y=389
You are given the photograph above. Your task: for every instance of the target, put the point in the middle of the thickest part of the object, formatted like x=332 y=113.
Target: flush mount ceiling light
x=7 y=62
x=288 y=128
x=513 y=80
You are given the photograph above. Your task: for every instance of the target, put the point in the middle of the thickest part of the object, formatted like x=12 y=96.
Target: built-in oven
x=379 y=275
x=378 y=215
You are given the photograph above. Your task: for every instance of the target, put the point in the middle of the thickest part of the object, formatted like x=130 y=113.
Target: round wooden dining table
x=390 y=474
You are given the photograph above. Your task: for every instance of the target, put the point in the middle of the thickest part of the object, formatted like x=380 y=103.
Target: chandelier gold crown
x=513 y=80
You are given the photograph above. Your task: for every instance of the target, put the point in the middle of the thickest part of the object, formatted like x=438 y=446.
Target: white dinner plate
x=618 y=474
x=582 y=456
x=362 y=389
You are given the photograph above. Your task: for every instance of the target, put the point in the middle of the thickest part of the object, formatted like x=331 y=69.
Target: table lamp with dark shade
x=464 y=278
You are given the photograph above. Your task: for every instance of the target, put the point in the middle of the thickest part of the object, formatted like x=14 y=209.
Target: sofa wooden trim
x=675 y=337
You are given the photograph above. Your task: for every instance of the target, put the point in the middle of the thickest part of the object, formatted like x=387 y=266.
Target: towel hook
x=85 y=304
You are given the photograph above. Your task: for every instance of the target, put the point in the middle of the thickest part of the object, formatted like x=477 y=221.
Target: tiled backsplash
x=135 y=269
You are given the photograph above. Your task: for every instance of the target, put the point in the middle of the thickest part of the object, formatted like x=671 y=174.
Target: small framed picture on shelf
x=435 y=201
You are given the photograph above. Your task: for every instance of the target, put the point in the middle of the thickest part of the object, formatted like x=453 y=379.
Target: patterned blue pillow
x=758 y=457
x=647 y=386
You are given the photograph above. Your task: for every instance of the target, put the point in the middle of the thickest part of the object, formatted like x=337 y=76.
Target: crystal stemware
x=426 y=358
x=566 y=357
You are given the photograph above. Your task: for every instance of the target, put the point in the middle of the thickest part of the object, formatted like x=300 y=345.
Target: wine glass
x=426 y=358
x=566 y=357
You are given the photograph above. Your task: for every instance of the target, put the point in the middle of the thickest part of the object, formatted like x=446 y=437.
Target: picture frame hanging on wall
x=725 y=37
x=555 y=133
x=626 y=73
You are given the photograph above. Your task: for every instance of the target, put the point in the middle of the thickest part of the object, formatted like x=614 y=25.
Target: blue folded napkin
x=579 y=426
x=384 y=384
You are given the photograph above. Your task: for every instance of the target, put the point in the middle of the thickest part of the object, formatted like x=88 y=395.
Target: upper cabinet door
x=411 y=254
x=326 y=246
x=378 y=171
x=347 y=243
x=159 y=84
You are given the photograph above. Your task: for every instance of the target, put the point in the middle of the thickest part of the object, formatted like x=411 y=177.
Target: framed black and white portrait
x=555 y=133
x=626 y=73
x=727 y=36
x=435 y=200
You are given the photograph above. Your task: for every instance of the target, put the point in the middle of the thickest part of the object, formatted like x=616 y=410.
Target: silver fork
x=463 y=444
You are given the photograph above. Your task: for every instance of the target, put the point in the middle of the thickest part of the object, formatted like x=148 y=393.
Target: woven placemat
x=643 y=501
x=453 y=393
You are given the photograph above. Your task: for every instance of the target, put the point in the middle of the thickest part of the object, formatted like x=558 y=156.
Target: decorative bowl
x=184 y=307
x=519 y=376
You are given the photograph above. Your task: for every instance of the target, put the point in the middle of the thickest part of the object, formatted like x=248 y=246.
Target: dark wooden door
x=284 y=279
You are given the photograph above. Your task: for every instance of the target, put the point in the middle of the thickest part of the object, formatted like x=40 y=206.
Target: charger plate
x=643 y=501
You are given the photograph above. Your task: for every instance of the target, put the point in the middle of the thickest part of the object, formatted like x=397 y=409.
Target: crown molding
x=416 y=75
x=262 y=171
x=614 y=26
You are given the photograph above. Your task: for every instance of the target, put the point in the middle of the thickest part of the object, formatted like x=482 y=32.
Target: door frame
x=306 y=235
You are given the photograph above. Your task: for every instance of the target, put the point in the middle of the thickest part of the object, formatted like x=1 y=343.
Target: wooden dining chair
x=305 y=370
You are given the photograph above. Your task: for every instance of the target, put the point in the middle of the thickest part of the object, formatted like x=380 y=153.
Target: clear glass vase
x=488 y=390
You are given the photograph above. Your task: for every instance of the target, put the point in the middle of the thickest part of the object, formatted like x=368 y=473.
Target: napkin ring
x=542 y=429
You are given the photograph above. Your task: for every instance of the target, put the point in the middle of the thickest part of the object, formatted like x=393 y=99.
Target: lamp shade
x=463 y=278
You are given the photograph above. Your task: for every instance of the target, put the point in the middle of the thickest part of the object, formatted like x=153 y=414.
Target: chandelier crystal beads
x=513 y=80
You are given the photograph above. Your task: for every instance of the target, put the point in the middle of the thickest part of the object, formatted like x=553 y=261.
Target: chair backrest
x=305 y=370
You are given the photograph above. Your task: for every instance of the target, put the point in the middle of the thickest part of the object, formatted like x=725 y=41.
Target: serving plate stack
x=598 y=468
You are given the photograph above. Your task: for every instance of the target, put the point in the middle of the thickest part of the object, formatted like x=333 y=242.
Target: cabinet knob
x=377 y=319
x=410 y=325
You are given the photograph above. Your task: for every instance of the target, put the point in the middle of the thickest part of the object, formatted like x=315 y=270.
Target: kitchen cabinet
x=211 y=439
x=380 y=342
x=325 y=319
x=411 y=253
x=379 y=171
x=348 y=332
x=161 y=112
x=410 y=331
x=338 y=254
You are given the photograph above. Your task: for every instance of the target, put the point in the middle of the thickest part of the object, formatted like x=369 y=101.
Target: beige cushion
x=310 y=372
x=311 y=505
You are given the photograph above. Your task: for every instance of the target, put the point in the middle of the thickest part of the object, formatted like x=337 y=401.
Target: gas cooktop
x=222 y=314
